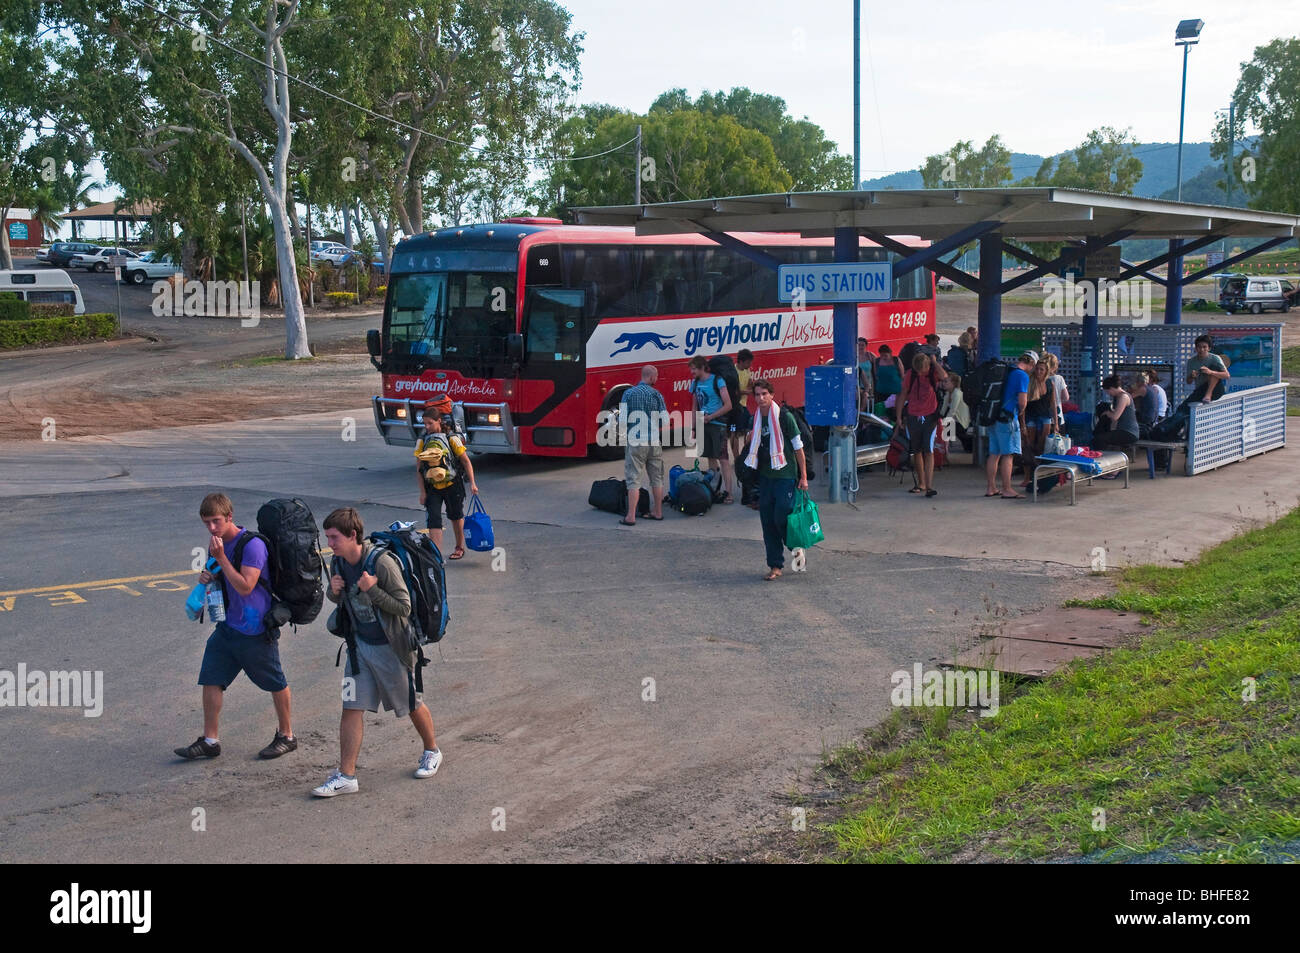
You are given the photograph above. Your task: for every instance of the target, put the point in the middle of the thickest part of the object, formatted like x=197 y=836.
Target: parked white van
x=1245 y=293
x=49 y=286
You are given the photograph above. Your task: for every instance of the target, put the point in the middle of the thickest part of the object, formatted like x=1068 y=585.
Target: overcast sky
x=1042 y=73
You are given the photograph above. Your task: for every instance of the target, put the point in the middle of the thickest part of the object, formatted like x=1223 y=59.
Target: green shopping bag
x=803 y=528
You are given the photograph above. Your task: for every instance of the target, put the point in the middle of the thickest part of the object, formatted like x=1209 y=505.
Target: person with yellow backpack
x=443 y=467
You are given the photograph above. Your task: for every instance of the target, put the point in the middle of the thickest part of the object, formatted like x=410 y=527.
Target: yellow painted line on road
x=94 y=582
x=112 y=582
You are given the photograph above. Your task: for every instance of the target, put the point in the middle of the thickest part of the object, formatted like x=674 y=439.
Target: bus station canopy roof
x=1030 y=214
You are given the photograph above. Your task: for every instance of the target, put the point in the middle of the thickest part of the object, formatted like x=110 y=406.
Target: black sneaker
x=200 y=749
x=279 y=745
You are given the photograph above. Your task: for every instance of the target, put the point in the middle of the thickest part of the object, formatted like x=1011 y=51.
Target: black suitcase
x=609 y=495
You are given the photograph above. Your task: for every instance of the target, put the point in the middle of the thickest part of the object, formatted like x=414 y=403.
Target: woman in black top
x=1118 y=427
x=1040 y=415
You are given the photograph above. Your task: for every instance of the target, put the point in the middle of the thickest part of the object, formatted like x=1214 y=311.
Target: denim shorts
x=1040 y=423
x=1004 y=439
x=229 y=652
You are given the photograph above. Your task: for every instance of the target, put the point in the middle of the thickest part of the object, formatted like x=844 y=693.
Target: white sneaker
x=336 y=784
x=430 y=761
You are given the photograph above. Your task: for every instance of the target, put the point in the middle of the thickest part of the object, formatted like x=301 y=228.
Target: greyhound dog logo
x=635 y=340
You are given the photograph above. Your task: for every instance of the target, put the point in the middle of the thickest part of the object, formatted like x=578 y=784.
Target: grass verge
x=1188 y=742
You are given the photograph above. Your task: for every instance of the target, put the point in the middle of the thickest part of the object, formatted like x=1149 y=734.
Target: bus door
x=554 y=372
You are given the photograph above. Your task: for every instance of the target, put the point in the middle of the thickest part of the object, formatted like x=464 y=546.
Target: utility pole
x=638 y=164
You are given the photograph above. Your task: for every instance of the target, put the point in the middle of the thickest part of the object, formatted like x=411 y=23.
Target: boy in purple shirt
x=242 y=642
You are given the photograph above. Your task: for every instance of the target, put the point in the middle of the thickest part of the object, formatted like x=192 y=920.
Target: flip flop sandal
x=774 y=574
x=457 y=553
x=658 y=519
x=621 y=523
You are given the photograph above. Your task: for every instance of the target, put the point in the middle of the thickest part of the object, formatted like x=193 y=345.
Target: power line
x=370 y=112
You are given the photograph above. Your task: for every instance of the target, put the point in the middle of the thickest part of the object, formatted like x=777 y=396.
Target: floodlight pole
x=1174 y=276
x=857 y=94
x=1182 y=110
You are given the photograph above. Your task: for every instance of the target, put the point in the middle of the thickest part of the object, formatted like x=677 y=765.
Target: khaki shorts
x=640 y=462
x=382 y=679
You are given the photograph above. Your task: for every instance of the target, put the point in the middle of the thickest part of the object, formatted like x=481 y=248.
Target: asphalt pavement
x=603 y=693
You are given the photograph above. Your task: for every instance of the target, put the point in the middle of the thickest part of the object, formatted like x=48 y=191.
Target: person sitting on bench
x=1208 y=372
x=1144 y=404
x=1117 y=427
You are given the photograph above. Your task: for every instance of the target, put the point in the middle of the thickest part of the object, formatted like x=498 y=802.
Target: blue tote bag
x=478 y=527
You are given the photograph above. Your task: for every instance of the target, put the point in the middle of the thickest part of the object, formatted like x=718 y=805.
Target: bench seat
x=1151 y=446
x=1111 y=461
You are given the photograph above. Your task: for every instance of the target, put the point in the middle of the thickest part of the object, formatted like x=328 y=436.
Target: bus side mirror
x=373 y=346
x=515 y=348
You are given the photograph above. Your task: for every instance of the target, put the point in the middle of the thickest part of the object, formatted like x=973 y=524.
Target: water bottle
x=216 y=601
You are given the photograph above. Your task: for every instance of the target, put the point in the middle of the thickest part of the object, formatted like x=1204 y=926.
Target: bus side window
x=554 y=324
x=544 y=266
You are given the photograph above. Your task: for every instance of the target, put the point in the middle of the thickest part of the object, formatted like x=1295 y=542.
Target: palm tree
x=81 y=199
x=45 y=210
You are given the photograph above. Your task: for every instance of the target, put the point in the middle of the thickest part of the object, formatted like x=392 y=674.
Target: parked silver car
x=98 y=259
x=149 y=267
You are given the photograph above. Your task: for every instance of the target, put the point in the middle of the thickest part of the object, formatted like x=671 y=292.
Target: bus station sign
x=847 y=282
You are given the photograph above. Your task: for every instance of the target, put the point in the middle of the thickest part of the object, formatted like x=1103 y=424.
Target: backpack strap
x=237 y=561
x=350 y=640
x=237 y=557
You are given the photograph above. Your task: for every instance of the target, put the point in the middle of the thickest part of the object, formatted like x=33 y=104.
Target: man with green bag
x=777 y=453
x=803 y=528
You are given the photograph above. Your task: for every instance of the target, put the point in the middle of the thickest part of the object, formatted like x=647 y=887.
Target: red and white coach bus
x=533 y=327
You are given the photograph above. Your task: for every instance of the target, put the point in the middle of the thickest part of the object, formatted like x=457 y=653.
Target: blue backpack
x=423 y=571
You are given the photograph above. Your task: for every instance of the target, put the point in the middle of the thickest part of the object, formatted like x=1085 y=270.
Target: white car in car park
x=98 y=260
x=334 y=253
x=149 y=267
x=328 y=251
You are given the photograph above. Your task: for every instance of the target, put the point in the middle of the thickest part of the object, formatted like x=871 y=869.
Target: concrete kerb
x=1165 y=521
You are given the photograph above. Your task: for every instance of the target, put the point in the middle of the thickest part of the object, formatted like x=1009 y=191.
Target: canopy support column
x=990 y=300
x=1174 y=284
x=842 y=443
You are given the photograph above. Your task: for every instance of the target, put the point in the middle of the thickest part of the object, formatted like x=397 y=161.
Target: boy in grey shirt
x=382 y=653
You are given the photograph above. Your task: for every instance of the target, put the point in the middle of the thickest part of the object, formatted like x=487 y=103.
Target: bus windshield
x=456 y=318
